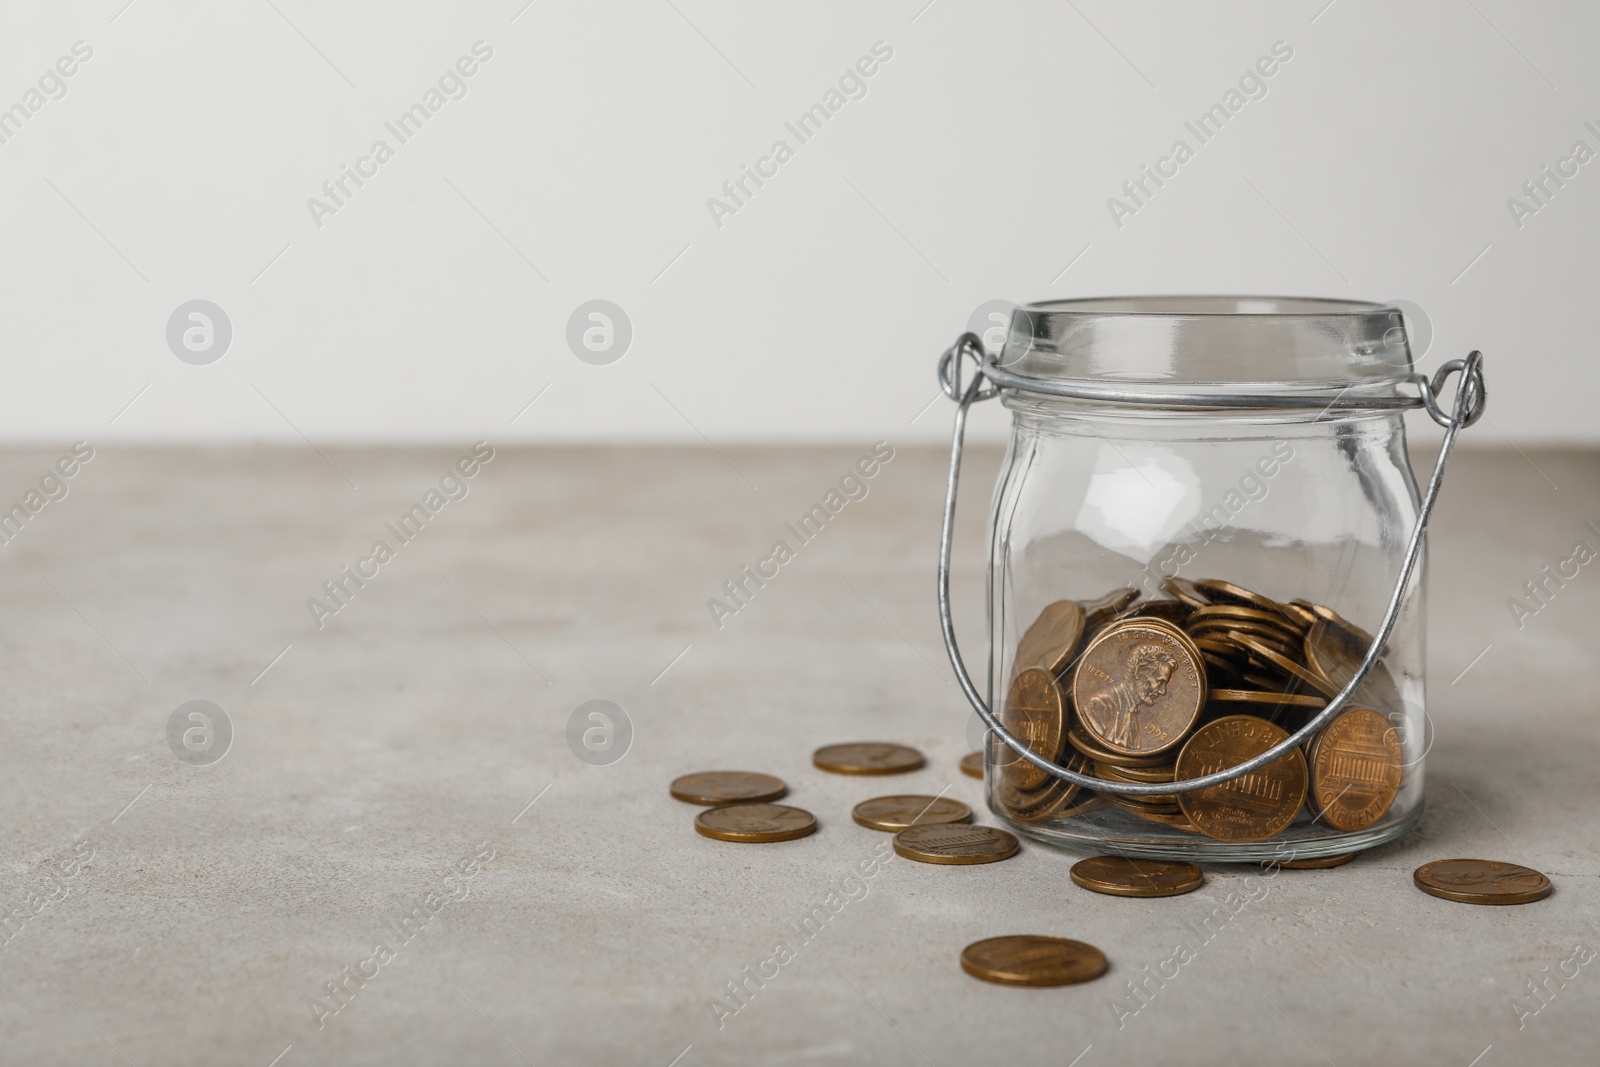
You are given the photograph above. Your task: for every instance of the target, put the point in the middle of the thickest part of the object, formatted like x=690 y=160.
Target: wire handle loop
x=1465 y=408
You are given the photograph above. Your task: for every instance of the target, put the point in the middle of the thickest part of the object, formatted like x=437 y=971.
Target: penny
x=1161 y=773
x=1329 y=615
x=727 y=787
x=755 y=822
x=1259 y=696
x=868 y=757
x=1334 y=654
x=1270 y=618
x=1302 y=617
x=1173 y=611
x=1139 y=686
x=1046 y=802
x=898 y=813
x=1355 y=770
x=972 y=764
x=1255 y=806
x=1052 y=639
x=1185 y=590
x=1032 y=960
x=1036 y=714
x=1218 y=590
x=1098 y=611
x=1120 y=876
x=1316 y=864
x=1102 y=755
x=1288 y=666
x=1482 y=882
x=955 y=843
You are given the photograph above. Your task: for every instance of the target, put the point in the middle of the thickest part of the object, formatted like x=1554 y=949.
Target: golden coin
x=1033 y=805
x=1220 y=592
x=1261 y=696
x=1254 y=807
x=1327 y=614
x=1173 y=611
x=955 y=843
x=1482 y=881
x=1317 y=864
x=1302 y=617
x=1154 y=775
x=1335 y=653
x=1139 y=687
x=1035 y=714
x=1032 y=960
x=868 y=757
x=727 y=787
x=1226 y=612
x=755 y=822
x=1099 y=754
x=1120 y=876
x=1098 y=611
x=1052 y=639
x=1288 y=666
x=1087 y=800
x=898 y=813
x=1177 y=820
x=1185 y=590
x=972 y=764
x=1355 y=770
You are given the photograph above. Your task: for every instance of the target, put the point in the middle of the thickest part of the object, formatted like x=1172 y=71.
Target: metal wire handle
x=986 y=382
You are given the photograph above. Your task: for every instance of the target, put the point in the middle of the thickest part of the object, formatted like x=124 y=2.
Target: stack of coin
x=1155 y=691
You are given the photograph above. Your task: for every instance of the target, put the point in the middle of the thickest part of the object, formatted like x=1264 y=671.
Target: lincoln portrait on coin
x=1146 y=673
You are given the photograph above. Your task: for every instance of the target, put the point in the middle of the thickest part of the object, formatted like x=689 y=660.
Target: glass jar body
x=1299 y=506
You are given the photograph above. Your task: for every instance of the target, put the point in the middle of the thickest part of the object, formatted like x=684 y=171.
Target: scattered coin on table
x=1318 y=863
x=898 y=813
x=1482 y=882
x=868 y=757
x=755 y=822
x=1033 y=960
x=972 y=764
x=1120 y=876
x=727 y=787
x=955 y=843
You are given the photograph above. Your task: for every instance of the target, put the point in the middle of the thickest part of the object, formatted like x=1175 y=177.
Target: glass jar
x=1205 y=518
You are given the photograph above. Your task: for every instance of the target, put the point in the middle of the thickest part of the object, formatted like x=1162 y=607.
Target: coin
x=1032 y=960
x=1270 y=618
x=1119 y=876
x=1185 y=590
x=755 y=822
x=1097 y=612
x=1482 y=882
x=1328 y=614
x=1052 y=639
x=1217 y=590
x=1036 y=714
x=1288 y=666
x=972 y=764
x=1259 y=696
x=727 y=787
x=1254 y=807
x=867 y=757
x=1316 y=864
x=1139 y=686
x=1334 y=653
x=1355 y=770
x=1100 y=754
x=1174 y=611
x=955 y=843
x=898 y=813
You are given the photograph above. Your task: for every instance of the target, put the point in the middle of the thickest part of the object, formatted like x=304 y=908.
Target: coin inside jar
x=755 y=822
x=1355 y=770
x=868 y=757
x=898 y=813
x=1255 y=806
x=1036 y=714
x=1033 y=960
x=1121 y=876
x=1482 y=882
x=1139 y=686
x=727 y=787
x=955 y=843
x=1052 y=639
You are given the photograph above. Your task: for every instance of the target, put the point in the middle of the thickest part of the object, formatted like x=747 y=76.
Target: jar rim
x=1219 y=342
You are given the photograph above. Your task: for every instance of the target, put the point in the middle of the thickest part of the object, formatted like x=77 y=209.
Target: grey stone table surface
x=400 y=813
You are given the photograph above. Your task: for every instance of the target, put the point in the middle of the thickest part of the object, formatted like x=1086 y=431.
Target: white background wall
x=434 y=304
